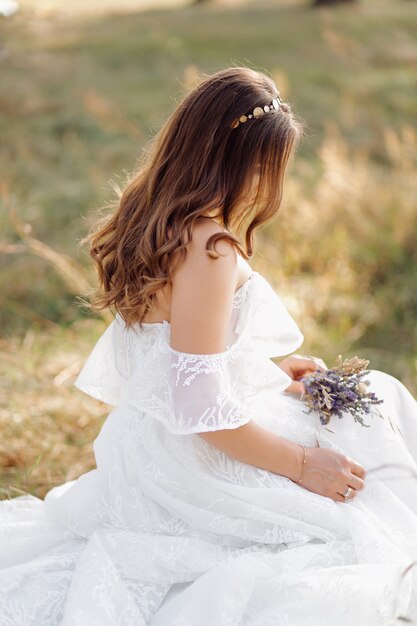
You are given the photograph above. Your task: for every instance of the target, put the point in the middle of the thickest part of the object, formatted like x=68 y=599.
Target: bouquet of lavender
x=340 y=389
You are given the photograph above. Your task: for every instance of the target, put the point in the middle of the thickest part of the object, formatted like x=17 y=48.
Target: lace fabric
x=187 y=392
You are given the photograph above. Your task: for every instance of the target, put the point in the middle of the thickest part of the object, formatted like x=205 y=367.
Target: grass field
x=80 y=94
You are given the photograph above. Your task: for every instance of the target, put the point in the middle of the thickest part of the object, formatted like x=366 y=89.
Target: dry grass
x=47 y=426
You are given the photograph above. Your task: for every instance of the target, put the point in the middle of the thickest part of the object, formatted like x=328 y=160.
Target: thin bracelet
x=304 y=462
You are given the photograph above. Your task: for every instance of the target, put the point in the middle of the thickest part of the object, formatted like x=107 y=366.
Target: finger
x=320 y=364
x=314 y=363
x=303 y=366
x=356 y=482
x=300 y=360
x=357 y=469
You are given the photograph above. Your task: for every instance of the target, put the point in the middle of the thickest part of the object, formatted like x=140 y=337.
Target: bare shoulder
x=202 y=231
x=202 y=293
x=198 y=260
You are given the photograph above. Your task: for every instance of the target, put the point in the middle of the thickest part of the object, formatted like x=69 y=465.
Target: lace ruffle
x=106 y=367
x=192 y=393
x=266 y=319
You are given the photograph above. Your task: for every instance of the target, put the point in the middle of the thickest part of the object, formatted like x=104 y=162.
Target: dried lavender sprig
x=340 y=390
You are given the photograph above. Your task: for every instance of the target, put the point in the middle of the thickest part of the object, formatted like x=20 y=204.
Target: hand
x=297 y=366
x=329 y=473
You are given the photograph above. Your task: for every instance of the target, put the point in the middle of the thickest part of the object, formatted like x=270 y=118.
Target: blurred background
x=84 y=85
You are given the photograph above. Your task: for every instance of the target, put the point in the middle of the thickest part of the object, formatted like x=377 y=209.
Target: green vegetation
x=79 y=97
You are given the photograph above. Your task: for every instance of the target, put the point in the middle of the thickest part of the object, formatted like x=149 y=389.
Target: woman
x=216 y=499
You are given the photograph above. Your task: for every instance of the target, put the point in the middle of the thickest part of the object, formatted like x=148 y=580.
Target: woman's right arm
x=326 y=472
x=258 y=446
x=201 y=303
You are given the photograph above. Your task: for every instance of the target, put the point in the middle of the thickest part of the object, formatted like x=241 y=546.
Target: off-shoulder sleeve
x=268 y=321
x=191 y=393
x=105 y=370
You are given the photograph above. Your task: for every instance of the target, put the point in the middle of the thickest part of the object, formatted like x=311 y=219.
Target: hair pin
x=258 y=111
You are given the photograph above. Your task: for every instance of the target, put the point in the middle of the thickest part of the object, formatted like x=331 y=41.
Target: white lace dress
x=169 y=531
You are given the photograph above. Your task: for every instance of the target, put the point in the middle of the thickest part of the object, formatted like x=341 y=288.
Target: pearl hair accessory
x=258 y=111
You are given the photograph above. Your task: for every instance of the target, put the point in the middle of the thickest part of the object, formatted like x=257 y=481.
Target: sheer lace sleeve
x=205 y=393
x=190 y=393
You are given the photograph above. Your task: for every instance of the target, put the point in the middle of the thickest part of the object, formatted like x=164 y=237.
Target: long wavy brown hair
x=200 y=162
